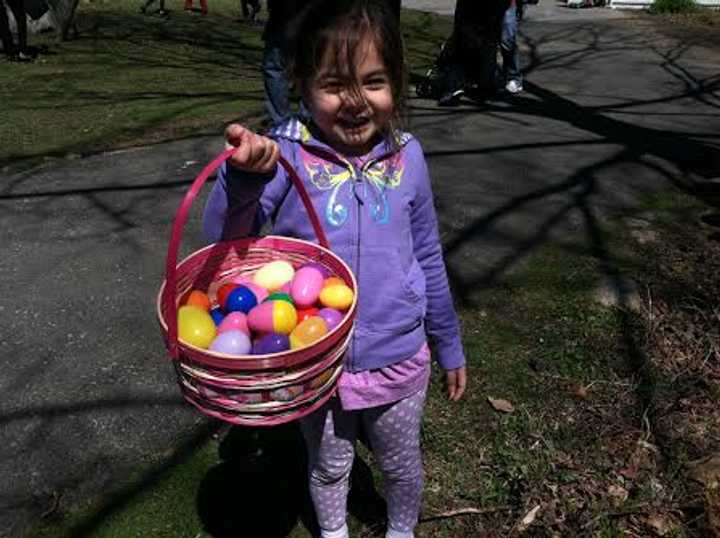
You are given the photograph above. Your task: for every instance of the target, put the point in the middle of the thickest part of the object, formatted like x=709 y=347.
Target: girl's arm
x=441 y=321
x=248 y=190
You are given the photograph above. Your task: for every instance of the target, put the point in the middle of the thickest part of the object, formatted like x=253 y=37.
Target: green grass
x=128 y=79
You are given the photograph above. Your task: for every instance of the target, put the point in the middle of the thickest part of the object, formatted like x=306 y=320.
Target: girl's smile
x=352 y=114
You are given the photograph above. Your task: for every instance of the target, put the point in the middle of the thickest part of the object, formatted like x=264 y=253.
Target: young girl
x=369 y=182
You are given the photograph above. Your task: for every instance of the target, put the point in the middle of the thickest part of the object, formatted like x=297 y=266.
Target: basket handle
x=181 y=216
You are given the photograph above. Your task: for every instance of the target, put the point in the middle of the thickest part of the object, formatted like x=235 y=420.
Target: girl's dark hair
x=341 y=26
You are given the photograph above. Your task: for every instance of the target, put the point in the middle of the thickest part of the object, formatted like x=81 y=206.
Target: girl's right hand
x=255 y=153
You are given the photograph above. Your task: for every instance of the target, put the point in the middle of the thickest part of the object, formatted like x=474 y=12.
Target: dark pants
x=277 y=88
x=18 y=10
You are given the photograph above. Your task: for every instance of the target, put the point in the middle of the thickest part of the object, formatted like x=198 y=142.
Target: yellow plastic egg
x=195 y=326
x=272 y=276
x=338 y=296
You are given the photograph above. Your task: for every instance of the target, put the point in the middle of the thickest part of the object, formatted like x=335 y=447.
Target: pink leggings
x=394 y=434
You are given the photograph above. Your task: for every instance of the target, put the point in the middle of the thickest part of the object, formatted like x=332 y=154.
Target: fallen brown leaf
x=528 y=519
x=658 y=524
x=501 y=405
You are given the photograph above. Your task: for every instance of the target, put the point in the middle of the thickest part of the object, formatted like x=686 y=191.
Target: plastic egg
x=198 y=298
x=195 y=326
x=241 y=299
x=273 y=316
x=338 y=296
x=223 y=292
x=260 y=292
x=304 y=313
x=231 y=342
x=234 y=321
x=306 y=285
x=271 y=343
x=333 y=281
x=307 y=332
x=331 y=316
x=279 y=296
x=217 y=315
x=285 y=288
x=320 y=267
x=273 y=275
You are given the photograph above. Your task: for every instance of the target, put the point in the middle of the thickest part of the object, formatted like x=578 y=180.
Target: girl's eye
x=332 y=86
x=376 y=83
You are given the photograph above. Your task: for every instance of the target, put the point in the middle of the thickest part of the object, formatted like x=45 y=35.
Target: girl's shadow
x=260 y=488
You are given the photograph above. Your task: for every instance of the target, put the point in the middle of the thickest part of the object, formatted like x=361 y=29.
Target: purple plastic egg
x=271 y=343
x=306 y=286
x=232 y=342
x=331 y=316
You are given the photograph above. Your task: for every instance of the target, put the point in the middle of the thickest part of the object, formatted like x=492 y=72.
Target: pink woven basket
x=258 y=390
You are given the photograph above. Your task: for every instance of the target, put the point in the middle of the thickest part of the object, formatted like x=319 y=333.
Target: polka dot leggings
x=394 y=434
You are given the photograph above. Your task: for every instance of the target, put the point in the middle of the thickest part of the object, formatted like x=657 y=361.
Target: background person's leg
x=18 y=10
x=5 y=34
x=277 y=100
x=509 y=50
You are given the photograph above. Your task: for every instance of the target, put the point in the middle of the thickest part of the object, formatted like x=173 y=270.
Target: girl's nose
x=352 y=100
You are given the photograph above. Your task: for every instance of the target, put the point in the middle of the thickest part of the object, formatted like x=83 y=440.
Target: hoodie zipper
x=358 y=227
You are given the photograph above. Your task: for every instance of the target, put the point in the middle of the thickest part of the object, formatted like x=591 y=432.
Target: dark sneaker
x=451 y=98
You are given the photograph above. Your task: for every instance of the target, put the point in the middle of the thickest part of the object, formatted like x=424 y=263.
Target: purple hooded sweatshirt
x=378 y=216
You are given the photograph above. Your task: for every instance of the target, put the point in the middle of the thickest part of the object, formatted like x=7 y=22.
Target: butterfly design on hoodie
x=351 y=183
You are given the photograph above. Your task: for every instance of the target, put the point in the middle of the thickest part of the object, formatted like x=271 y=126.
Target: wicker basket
x=258 y=390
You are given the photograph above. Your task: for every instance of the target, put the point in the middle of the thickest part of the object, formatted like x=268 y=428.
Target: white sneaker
x=514 y=86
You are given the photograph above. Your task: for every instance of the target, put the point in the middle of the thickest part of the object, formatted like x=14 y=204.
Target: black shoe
x=451 y=98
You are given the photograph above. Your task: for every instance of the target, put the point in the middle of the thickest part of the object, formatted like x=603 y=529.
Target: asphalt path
x=610 y=114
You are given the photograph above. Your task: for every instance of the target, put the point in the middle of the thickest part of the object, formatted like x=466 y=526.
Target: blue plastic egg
x=217 y=315
x=241 y=299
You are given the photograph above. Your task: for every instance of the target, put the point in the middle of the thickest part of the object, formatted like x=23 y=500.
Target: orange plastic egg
x=199 y=299
x=333 y=281
x=309 y=331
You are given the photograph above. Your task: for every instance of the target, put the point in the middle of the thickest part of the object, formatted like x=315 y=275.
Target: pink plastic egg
x=273 y=316
x=285 y=288
x=306 y=286
x=234 y=321
x=260 y=292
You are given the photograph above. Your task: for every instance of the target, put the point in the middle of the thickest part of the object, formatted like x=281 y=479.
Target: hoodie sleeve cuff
x=450 y=354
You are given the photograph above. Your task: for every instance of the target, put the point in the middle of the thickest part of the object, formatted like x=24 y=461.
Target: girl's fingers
x=254 y=153
x=234 y=134
x=269 y=156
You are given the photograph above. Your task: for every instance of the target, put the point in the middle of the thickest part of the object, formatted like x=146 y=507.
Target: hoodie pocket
x=392 y=297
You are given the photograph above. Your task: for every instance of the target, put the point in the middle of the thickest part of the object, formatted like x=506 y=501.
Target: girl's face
x=352 y=119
